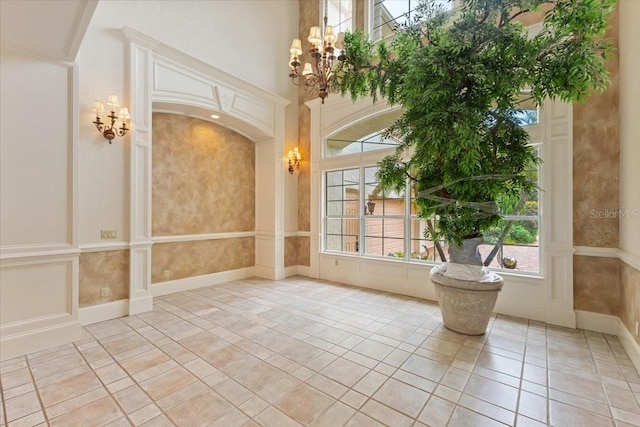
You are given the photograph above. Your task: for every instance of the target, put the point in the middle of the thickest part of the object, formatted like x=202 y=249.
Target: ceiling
x=49 y=29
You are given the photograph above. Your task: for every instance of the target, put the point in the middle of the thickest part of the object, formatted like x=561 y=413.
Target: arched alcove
x=166 y=80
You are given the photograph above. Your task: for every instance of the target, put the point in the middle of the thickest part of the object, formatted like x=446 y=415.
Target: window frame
x=329 y=22
x=365 y=159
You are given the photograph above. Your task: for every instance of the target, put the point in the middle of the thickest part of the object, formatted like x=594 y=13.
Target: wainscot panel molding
x=39 y=254
x=38 y=303
x=297 y=234
x=102 y=247
x=596 y=252
x=632 y=260
x=35 y=252
x=203 y=236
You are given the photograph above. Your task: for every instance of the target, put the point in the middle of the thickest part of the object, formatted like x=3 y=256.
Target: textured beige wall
x=309 y=16
x=596 y=284
x=304 y=251
x=108 y=269
x=203 y=182
x=596 y=166
x=187 y=259
x=203 y=178
x=629 y=296
x=290 y=251
x=596 y=160
x=297 y=251
x=358 y=14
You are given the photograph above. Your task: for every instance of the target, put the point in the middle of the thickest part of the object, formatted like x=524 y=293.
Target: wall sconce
x=110 y=132
x=371 y=206
x=294 y=160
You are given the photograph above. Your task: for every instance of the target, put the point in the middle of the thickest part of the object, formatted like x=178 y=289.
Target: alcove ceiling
x=48 y=29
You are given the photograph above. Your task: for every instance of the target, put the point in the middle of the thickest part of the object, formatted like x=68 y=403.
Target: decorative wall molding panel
x=164 y=79
x=632 y=260
x=39 y=253
x=204 y=236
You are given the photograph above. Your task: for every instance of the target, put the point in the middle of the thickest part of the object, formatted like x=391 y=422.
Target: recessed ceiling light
x=214 y=116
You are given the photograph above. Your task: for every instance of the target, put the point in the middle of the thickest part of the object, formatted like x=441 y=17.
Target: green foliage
x=519 y=234
x=458 y=78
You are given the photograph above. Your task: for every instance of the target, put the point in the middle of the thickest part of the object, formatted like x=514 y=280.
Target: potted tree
x=459 y=77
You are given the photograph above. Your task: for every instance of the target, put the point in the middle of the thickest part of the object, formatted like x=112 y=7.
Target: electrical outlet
x=336 y=263
x=108 y=234
x=104 y=293
x=167 y=273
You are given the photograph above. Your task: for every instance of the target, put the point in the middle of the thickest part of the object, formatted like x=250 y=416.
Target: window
x=387 y=15
x=339 y=146
x=384 y=218
x=342 y=210
x=361 y=219
x=340 y=15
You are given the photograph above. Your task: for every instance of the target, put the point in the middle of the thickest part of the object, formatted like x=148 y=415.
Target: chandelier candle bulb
x=307 y=69
x=124 y=114
x=296 y=48
x=112 y=101
x=329 y=37
x=98 y=108
x=315 y=38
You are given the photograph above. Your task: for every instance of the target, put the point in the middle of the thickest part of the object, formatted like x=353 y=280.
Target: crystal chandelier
x=319 y=75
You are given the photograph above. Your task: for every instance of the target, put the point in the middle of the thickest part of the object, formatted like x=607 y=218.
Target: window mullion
x=407 y=221
x=361 y=211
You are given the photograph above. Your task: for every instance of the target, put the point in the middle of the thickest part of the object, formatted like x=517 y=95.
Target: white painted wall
x=629 y=127
x=34 y=171
x=38 y=233
x=248 y=39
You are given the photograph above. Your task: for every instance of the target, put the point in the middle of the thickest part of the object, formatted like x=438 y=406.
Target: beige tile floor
x=305 y=352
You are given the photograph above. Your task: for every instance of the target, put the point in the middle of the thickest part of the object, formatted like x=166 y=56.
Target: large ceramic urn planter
x=466 y=295
x=466 y=290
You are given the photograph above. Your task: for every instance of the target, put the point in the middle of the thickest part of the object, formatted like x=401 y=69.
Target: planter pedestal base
x=466 y=305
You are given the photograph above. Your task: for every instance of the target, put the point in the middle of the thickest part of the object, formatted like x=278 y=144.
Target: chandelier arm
x=99 y=124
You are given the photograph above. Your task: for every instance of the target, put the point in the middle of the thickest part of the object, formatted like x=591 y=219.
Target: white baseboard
x=102 y=312
x=303 y=270
x=604 y=323
x=189 y=283
x=290 y=271
x=39 y=339
x=140 y=303
x=629 y=343
x=297 y=270
x=608 y=324
x=560 y=317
